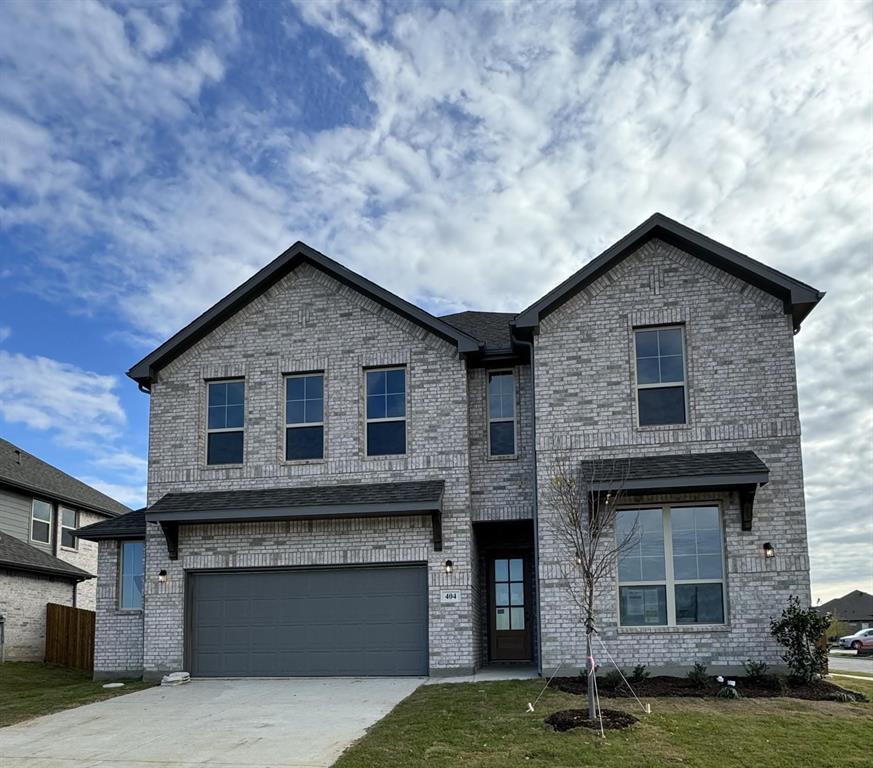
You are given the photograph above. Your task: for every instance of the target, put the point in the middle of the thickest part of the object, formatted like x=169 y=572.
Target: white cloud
x=134 y=496
x=504 y=147
x=5 y=333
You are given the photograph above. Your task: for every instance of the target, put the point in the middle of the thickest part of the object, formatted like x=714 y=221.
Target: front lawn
x=485 y=724
x=30 y=690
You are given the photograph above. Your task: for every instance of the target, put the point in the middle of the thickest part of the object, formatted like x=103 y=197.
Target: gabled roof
x=25 y=472
x=491 y=328
x=18 y=555
x=296 y=255
x=129 y=526
x=856 y=606
x=798 y=298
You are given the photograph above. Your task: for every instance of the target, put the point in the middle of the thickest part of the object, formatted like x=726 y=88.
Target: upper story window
x=501 y=413
x=132 y=573
x=660 y=358
x=304 y=417
x=69 y=523
x=386 y=412
x=674 y=572
x=41 y=521
x=225 y=422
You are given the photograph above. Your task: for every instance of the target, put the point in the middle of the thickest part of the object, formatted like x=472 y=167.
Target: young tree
x=584 y=512
x=801 y=631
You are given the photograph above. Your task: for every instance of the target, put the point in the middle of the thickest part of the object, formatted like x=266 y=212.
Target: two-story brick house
x=41 y=561
x=343 y=484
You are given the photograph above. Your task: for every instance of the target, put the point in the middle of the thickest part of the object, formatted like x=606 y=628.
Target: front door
x=509 y=622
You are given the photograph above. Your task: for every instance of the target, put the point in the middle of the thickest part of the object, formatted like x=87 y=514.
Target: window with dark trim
x=304 y=417
x=225 y=421
x=673 y=573
x=41 y=521
x=660 y=376
x=131 y=575
x=386 y=412
x=69 y=523
x=501 y=413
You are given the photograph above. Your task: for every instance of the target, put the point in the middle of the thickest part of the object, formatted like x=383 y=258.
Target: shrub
x=639 y=674
x=612 y=680
x=756 y=671
x=837 y=628
x=728 y=693
x=697 y=676
x=800 y=631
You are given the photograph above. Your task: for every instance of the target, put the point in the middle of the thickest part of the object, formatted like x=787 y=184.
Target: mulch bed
x=655 y=687
x=613 y=720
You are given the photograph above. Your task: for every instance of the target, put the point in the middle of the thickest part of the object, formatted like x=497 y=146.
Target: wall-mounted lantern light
x=769 y=550
x=162 y=576
x=449 y=566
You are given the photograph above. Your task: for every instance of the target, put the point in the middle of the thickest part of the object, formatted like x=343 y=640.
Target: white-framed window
x=225 y=422
x=69 y=521
x=386 y=411
x=304 y=416
x=501 y=413
x=673 y=572
x=660 y=376
x=131 y=573
x=41 y=521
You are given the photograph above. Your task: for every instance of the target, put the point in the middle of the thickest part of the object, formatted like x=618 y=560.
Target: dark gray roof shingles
x=20 y=556
x=23 y=470
x=672 y=465
x=491 y=328
x=131 y=525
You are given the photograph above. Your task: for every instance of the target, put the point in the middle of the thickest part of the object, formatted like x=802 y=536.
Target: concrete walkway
x=304 y=723
x=489 y=675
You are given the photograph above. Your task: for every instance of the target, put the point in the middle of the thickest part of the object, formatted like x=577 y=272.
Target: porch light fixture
x=449 y=566
x=769 y=550
x=162 y=576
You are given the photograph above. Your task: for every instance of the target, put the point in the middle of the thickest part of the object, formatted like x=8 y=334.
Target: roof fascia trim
x=32 y=489
x=746 y=479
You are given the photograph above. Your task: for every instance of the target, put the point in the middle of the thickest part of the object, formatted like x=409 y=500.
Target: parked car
x=862 y=640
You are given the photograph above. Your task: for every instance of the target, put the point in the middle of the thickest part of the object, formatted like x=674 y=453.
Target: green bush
x=639 y=674
x=728 y=692
x=697 y=676
x=800 y=631
x=756 y=671
x=612 y=680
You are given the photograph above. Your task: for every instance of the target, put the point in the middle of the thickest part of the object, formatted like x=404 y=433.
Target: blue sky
x=465 y=155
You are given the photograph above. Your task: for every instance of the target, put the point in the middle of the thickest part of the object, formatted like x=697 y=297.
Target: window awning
x=740 y=471
x=310 y=503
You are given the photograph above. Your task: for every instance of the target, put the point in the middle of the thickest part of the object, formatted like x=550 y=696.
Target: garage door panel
x=341 y=621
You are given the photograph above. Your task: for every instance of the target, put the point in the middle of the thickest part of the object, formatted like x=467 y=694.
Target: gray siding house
x=343 y=484
x=41 y=560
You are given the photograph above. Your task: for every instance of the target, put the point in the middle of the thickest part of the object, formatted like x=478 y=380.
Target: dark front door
x=509 y=621
x=330 y=621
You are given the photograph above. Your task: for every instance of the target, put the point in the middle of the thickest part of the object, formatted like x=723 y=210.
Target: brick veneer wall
x=23 y=597
x=309 y=322
x=742 y=395
x=85 y=557
x=119 y=634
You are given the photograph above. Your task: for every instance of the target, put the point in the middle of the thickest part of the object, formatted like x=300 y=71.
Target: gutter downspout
x=536 y=517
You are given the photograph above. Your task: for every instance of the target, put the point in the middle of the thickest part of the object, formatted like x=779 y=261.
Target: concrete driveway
x=228 y=723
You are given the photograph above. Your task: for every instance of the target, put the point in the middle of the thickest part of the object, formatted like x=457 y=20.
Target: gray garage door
x=336 y=621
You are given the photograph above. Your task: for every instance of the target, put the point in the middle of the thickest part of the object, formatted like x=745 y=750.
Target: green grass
x=30 y=690
x=484 y=725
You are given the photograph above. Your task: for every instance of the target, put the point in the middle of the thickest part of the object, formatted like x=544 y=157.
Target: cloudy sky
x=465 y=155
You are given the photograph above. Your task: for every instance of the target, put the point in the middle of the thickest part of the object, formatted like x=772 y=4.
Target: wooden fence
x=69 y=636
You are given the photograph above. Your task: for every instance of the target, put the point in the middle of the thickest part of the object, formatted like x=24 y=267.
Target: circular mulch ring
x=613 y=720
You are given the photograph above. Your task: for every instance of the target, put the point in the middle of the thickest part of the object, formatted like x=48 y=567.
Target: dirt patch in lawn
x=613 y=720
x=656 y=687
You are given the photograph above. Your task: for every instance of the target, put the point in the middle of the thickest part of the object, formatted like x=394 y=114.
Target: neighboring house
x=855 y=610
x=41 y=561
x=343 y=484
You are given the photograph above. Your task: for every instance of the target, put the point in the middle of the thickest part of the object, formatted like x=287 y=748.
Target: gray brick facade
x=741 y=392
x=23 y=598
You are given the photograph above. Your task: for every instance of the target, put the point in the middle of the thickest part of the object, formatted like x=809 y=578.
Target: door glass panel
x=501 y=594
x=517 y=618
x=515 y=569
x=501 y=572
x=516 y=593
x=502 y=618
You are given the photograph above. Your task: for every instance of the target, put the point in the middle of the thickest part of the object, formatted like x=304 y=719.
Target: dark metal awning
x=740 y=471
x=310 y=503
